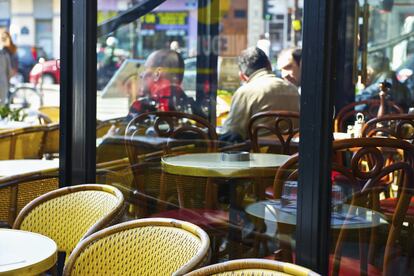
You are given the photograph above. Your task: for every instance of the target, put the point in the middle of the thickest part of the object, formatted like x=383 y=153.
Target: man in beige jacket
x=261 y=91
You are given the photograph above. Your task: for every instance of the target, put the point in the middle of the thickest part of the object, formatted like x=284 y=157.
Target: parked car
x=28 y=56
x=46 y=71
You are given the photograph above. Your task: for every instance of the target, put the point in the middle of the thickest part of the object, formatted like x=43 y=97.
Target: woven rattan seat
x=68 y=215
x=141 y=247
x=17 y=191
x=253 y=267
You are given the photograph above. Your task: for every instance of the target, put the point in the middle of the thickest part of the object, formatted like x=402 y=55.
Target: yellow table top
x=25 y=253
x=211 y=165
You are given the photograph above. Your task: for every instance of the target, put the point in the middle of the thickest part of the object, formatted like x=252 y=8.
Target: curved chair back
x=49 y=114
x=102 y=127
x=279 y=125
x=7 y=145
x=399 y=126
x=141 y=247
x=368 y=107
x=51 y=143
x=253 y=267
x=17 y=191
x=68 y=215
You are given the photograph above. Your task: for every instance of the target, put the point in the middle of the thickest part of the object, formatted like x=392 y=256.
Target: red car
x=47 y=71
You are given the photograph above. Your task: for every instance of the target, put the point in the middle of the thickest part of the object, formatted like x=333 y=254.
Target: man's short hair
x=253 y=59
x=295 y=52
x=171 y=60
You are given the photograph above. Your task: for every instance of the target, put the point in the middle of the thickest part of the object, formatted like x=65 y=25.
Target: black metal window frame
x=78 y=111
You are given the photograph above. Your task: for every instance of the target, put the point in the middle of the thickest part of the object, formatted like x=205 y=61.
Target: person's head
x=162 y=67
x=7 y=42
x=251 y=60
x=289 y=64
x=377 y=64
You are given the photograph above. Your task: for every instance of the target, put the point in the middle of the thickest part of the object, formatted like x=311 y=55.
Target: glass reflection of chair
x=70 y=214
x=364 y=189
x=368 y=107
x=253 y=267
x=17 y=191
x=193 y=199
x=102 y=127
x=141 y=247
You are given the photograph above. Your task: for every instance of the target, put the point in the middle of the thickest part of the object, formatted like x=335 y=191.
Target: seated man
x=289 y=64
x=262 y=91
x=160 y=88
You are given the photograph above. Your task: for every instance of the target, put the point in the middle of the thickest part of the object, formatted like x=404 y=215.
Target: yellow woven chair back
x=52 y=113
x=154 y=246
x=29 y=142
x=6 y=145
x=51 y=143
x=253 y=267
x=69 y=214
x=17 y=191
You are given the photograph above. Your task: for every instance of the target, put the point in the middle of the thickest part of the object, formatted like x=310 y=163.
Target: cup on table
x=289 y=194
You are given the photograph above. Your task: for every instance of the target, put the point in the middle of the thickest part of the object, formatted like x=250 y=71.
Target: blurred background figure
x=5 y=70
x=289 y=63
x=175 y=46
x=11 y=49
x=378 y=70
x=264 y=44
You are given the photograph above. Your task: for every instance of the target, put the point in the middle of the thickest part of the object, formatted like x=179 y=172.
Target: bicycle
x=25 y=96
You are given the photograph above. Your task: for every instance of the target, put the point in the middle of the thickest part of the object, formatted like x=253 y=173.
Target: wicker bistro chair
x=49 y=114
x=51 y=142
x=70 y=214
x=281 y=125
x=366 y=185
x=17 y=191
x=348 y=112
x=141 y=247
x=253 y=267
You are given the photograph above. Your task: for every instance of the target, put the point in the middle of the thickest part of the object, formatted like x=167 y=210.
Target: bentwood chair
x=253 y=267
x=151 y=135
x=141 y=247
x=279 y=126
x=366 y=186
x=17 y=191
x=70 y=214
x=368 y=107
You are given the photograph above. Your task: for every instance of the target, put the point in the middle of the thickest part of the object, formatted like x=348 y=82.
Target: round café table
x=356 y=218
x=22 y=166
x=25 y=253
x=212 y=165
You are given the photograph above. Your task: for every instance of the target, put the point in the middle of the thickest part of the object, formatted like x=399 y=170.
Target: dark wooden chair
x=365 y=185
x=274 y=129
x=368 y=107
x=399 y=126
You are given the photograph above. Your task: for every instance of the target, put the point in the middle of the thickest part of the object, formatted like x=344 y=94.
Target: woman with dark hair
x=11 y=50
x=5 y=71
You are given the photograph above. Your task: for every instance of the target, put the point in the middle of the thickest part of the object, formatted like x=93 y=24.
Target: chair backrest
x=51 y=142
x=399 y=126
x=68 y=215
x=253 y=267
x=29 y=142
x=368 y=107
x=17 y=191
x=7 y=145
x=178 y=129
x=281 y=126
x=49 y=114
x=366 y=183
x=141 y=247
x=102 y=127
x=151 y=135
